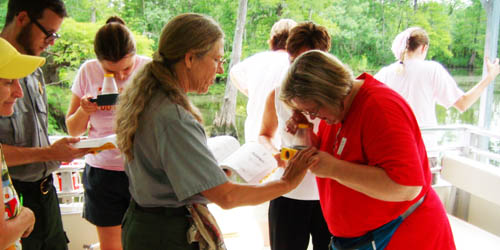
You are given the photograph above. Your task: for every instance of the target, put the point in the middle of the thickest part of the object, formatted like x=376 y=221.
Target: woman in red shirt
x=373 y=176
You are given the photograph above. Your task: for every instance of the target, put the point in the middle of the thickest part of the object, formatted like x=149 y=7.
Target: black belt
x=160 y=210
x=44 y=185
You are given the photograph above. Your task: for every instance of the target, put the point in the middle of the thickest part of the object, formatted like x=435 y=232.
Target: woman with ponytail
x=423 y=83
x=104 y=179
x=172 y=173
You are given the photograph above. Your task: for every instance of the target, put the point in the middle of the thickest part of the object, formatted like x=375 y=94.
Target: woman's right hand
x=29 y=216
x=492 y=67
x=87 y=106
x=281 y=163
x=297 y=118
x=297 y=166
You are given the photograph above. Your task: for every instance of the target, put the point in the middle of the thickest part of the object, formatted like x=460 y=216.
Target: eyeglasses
x=49 y=37
x=312 y=113
x=221 y=61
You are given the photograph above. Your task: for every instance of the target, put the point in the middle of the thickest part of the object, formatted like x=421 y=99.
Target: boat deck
x=246 y=227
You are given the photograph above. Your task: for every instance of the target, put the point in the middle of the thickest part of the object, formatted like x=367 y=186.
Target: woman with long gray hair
x=172 y=173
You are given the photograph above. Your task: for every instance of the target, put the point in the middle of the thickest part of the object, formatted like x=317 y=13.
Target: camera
x=287 y=153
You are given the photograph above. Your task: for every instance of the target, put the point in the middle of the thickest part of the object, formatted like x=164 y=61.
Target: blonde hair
x=279 y=33
x=184 y=33
x=317 y=76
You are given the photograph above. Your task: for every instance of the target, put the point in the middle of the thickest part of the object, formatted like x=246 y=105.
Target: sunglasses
x=49 y=37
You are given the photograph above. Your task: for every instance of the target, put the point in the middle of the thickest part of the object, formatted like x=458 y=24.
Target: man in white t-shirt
x=257 y=75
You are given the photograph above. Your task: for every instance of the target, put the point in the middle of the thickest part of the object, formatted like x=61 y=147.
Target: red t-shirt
x=380 y=130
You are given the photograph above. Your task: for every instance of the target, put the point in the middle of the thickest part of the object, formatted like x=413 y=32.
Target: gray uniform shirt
x=172 y=163
x=27 y=127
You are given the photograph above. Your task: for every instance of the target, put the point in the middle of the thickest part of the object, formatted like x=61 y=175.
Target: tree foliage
x=362 y=30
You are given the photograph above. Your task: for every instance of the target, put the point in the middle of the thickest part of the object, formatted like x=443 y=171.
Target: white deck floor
x=246 y=228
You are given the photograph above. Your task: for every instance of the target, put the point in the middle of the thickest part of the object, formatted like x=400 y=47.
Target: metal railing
x=469 y=141
x=466 y=140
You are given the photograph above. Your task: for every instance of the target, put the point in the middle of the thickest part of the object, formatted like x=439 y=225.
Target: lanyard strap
x=412 y=207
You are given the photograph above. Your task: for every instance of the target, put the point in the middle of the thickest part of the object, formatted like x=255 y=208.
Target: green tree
x=90 y=10
x=434 y=18
x=362 y=30
x=467 y=34
x=3 y=11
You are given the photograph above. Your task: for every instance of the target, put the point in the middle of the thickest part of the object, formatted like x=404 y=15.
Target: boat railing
x=469 y=160
x=466 y=140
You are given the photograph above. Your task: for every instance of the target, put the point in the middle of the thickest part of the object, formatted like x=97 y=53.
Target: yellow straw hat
x=14 y=65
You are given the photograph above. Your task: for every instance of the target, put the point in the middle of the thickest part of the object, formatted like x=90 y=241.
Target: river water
x=210 y=104
x=467 y=80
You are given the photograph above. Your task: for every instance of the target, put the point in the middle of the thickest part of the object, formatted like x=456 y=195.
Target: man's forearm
x=15 y=156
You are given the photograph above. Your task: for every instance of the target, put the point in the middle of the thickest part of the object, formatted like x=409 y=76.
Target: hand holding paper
x=98 y=144
x=251 y=162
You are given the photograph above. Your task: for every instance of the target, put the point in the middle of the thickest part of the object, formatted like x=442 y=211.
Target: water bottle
x=302 y=138
x=109 y=85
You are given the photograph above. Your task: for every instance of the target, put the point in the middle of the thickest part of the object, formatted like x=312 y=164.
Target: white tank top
x=307 y=189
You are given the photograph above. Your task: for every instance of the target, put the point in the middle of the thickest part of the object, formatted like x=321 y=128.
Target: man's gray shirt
x=27 y=127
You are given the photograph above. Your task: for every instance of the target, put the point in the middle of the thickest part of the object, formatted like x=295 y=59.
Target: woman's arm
x=230 y=195
x=78 y=115
x=13 y=229
x=369 y=180
x=237 y=75
x=473 y=94
x=293 y=124
x=269 y=123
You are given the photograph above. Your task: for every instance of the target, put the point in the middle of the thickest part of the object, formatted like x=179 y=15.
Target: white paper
x=96 y=142
x=252 y=162
x=249 y=163
x=222 y=146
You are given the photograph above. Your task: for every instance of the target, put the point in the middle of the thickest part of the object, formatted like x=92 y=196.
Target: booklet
x=251 y=163
x=98 y=144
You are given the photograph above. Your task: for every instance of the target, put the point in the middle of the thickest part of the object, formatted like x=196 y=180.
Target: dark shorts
x=106 y=196
x=41 y=197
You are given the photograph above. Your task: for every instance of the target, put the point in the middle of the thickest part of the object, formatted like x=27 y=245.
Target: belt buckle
x=43 y=189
